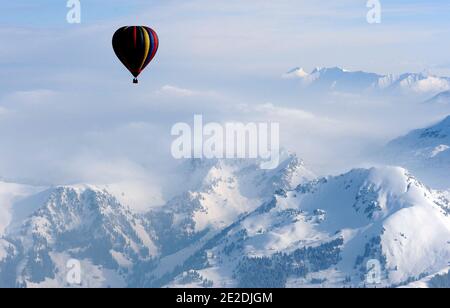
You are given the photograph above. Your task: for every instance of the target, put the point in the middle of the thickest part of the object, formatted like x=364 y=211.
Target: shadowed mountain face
x=239 y=226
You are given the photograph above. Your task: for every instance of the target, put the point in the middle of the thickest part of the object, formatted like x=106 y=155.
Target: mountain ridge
x=425 y=151
x=342 y=80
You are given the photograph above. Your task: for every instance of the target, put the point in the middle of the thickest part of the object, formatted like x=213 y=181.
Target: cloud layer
x=69 y=113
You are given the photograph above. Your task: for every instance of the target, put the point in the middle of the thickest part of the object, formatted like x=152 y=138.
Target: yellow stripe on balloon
x=146 y=44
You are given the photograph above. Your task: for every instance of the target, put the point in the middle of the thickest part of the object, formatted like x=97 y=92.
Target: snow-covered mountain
x=335 y=79
x=11 y=193
x=221 y=192
x=415 y=83
x=326 y=231
x=48 y=228
x=442 y=98
x=236 y=225
x=342 y=80
x=426 y=152
x=80 y=223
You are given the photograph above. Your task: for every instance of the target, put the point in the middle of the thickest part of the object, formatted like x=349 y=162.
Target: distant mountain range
x=341 y=80
x=442 y=98
x=236 y=225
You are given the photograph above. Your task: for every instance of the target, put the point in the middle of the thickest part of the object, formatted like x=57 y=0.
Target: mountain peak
x=301 y=73
x=430 y=136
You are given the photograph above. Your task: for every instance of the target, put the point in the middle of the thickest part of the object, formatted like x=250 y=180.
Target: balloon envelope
x=135 y=47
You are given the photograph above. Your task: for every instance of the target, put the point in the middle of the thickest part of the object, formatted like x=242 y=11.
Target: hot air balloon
x=135 y=47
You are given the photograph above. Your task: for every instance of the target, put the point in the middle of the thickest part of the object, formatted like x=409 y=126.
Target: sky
x=69 y=113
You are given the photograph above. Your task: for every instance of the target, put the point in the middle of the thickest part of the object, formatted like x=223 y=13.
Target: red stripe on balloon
x=156 y=43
